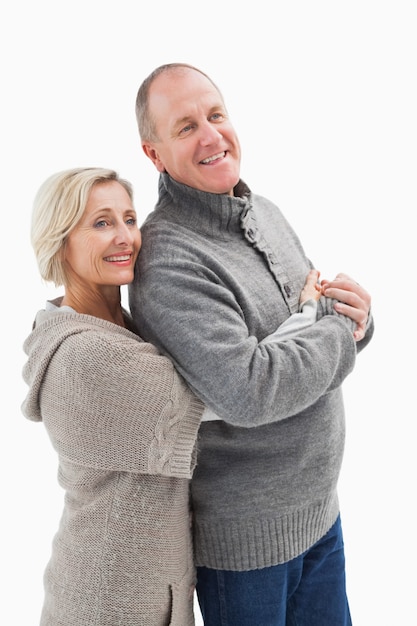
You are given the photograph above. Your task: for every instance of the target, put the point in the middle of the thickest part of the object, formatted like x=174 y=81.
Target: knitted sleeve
x=112 y=403
x=293 y=325
x=245 y=382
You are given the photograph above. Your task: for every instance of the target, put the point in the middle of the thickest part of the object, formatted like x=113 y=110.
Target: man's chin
x=220 y=185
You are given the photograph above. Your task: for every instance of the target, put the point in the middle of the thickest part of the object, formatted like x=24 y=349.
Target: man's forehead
x=172 y=84
x=176 y=103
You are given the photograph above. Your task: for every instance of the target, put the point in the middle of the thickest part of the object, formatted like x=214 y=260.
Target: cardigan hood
x=57 y=326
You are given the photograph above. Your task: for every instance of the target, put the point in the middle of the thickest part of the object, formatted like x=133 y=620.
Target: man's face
x=197 y=144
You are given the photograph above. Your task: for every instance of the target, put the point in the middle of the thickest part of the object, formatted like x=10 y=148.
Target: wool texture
x=124 y=425
x=217 y=274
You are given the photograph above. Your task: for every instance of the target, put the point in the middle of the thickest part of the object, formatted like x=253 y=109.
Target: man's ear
x=153 y=155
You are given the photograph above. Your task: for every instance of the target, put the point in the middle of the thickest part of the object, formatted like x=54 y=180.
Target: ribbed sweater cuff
x=184 y=458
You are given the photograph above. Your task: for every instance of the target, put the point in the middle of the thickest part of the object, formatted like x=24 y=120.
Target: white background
x=323 y=97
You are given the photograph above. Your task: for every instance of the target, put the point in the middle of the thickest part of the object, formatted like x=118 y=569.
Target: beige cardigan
x=124 y=425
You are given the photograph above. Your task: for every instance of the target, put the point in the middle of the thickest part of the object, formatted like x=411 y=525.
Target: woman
x=122 y=421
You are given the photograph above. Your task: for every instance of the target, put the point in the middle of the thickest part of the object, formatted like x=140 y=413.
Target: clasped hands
x=352 y=299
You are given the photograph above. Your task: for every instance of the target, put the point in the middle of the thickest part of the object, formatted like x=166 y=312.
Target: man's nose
x=209 y=133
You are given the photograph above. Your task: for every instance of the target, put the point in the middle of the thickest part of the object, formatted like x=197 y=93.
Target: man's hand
x=353 y=301
x=311 y=289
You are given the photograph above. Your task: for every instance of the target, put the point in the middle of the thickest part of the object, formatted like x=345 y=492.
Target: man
x=219 y=271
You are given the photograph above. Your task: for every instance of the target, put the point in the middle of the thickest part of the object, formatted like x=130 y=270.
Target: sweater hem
x=258 y=543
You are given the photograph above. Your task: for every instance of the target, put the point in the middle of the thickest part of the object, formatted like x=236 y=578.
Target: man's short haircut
x=146 y=123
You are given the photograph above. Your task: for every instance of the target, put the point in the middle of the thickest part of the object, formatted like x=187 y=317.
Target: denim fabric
x=307 y=591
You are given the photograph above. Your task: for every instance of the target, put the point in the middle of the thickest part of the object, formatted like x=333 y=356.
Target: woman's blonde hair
x=57 y=208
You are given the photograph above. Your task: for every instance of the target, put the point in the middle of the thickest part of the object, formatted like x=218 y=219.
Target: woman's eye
x=100 y=224
x=131 y=221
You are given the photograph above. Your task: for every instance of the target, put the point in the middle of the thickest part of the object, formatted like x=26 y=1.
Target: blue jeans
x=309 y=590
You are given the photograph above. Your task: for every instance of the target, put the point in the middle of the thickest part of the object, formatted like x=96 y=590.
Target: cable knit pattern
x=218 y=274
x=124 y=425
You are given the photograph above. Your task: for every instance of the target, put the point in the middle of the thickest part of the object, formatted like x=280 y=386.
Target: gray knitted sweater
x=124 y=425
x=216 y=276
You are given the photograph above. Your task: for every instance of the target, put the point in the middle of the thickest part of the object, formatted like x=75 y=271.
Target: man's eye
x=185 y=129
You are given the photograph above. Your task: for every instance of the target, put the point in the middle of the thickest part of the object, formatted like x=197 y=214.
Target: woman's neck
x=108 y=307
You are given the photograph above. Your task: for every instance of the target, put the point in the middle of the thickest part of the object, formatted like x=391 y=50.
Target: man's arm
x=195 y=319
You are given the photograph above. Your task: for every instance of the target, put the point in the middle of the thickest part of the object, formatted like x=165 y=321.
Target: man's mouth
x=215 y=157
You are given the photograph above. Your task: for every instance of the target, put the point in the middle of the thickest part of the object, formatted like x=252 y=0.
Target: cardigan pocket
x=182 y=597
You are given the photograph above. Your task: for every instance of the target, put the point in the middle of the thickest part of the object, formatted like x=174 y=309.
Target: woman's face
x=102 y=249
